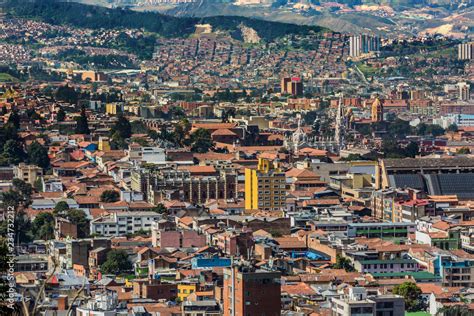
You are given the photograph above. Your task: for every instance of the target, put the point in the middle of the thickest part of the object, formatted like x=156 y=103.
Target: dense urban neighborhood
x=160 y=166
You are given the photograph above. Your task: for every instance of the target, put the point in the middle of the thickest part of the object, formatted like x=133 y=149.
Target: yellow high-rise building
x=114 y=108
x=265 y=187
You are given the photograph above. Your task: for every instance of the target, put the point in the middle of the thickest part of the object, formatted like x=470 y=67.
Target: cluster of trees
x=19 y=197
x=411 y=293
x=321 y=124
x=120 y=132
x=99 y=61
x=67 y=94
x=117 y=263
x=82 y=124
x=109 y=196
x=70 y=95
x=13 y=149
x=229 y=96
x=75 y=216
x=201 y=141
x=142 y=46
x=397 y=128
x=190 y=97
x=391 y=149
x=404 y=47
x=343 y=263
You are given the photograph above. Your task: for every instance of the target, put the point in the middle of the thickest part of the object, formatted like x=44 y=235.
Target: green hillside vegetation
x=95 y=17
x=368 y=70
x=431 y=47
x=5 y=77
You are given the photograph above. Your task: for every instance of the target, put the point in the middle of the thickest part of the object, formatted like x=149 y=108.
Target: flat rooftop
x=454 y=162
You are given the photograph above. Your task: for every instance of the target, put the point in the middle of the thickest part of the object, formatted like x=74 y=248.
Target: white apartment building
x=122 y=223
x=146 y=154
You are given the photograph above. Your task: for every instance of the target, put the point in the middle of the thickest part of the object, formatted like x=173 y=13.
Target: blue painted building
x=204 y=263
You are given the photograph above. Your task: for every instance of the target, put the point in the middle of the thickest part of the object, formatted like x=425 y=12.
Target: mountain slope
x=86 y=16
x=347 y=23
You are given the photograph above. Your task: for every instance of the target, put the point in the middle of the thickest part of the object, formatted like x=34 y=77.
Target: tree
x=353 y=157
x=343 y=263
x=117 y=262
x=4 y=286
x=61 y=208
x=452 y=128
x=201 y=141
x=67 y=94
x=39 y=185
x=391 y=149
x=14 y=119
x=61 y=115
x=412 y=150
x=13 y=152
x=24 y=189
x=176 y=112
x=109 y=196
x=227 y=114
x=436 y=130
x=38 y=155
x=43 y=226
x=122 y=127
x=399 y=128
x=427 y=129
x=82 y=124
x=179 y=134
x=463 y=151
x=139 y=128
x=141 y=141
x=9 y=131
x=153 y=134
x=160 y=208
x=411 y=293
x=22 y=229
x=11 y=198
x=117 y=141
x=79 y=218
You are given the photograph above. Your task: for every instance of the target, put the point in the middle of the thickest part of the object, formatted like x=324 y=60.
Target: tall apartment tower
x=265 y=188
x=363 y=44
x=293 y=86
x=466 y=51
x=355 y=46
x=251 y=292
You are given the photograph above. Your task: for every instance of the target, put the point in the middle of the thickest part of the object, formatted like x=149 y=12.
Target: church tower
x=377 y=111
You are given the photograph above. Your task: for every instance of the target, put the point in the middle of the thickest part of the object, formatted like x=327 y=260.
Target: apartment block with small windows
x=122 y=223
x=456 y=271
x=28 y=173
x=358 y=302
x=249 y=292
x=265 y=187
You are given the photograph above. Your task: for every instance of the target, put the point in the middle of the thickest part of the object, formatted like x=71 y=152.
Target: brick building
x=251 y=292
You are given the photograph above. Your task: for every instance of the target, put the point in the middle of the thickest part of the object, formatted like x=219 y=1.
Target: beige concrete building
x=28 y=173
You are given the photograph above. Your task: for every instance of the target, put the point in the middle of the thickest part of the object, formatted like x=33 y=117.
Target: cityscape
x=237 y=158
